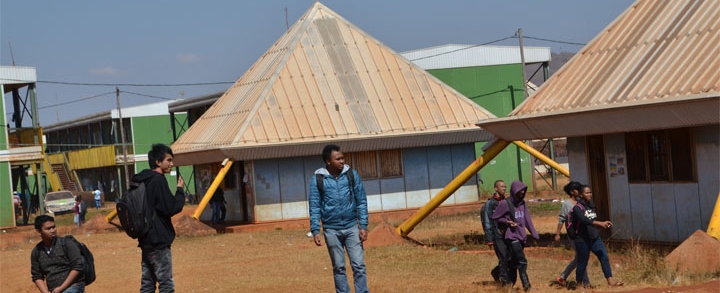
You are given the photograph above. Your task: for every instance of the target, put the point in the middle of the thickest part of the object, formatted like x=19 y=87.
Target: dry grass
x=287 y=261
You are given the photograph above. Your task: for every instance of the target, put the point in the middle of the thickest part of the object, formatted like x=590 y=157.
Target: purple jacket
x=522 y=216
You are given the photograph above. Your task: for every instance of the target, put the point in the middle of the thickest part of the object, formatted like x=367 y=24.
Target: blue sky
x=187 y=42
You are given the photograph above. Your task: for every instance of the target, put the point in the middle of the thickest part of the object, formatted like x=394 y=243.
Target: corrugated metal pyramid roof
x=323 y=81
x=656 y=66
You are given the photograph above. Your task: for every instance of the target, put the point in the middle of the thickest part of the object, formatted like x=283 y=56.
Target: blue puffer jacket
x=337 y=209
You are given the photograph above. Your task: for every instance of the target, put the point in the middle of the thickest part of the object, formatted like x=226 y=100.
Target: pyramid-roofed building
x=325 y=80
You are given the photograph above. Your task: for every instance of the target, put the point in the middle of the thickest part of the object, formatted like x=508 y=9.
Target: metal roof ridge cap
x=299 y=26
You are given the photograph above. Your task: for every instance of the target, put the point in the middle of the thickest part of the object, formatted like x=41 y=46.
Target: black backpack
x=134 y=211
x=88 y=259
x=572 y=225
x=511 y=210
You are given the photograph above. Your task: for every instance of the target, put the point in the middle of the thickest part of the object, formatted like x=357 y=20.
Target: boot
x=525 y=280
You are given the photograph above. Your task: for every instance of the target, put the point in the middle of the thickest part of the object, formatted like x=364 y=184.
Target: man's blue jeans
x=216 y=207
x=337 y=241
x=157 y=268
x=582 y=250
x=78 y=287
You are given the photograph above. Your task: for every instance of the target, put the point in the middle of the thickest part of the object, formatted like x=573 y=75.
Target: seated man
x=56 y=265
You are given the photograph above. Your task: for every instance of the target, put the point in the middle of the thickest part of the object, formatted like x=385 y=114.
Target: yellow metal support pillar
x=542 y=157
x=211 y=190
x=111 y=216
x=714 y=225
x=493 y=149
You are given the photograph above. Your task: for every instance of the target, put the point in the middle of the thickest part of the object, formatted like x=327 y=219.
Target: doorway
x=598 y=177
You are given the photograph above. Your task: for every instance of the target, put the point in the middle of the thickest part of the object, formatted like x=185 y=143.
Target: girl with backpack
x=588 y=238
x=572 y=189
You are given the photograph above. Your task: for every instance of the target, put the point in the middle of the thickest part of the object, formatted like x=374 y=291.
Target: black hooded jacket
x=161 y=233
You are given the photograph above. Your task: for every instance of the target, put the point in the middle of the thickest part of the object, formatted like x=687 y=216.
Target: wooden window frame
x=374 y=164
x=654 y=151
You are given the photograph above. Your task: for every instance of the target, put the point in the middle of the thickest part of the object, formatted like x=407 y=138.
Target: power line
x=468 y=47
x=149 y=96
x=551 y=41
x=78 y=100
x=105 y=94
x=136 y=84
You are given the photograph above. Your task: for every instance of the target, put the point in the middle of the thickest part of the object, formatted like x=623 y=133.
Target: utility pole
x=287 y=23
x=122 y=139
x=522 y=61
x=525 y=92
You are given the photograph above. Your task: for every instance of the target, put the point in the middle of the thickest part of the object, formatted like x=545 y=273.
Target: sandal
x=617 y=284
x=561 y=281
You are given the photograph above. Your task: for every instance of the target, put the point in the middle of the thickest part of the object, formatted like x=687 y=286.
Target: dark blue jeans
x=216 y=209
x=582 y=255
x=519 y=262
x=570 y=267
x=157 y=268
x=78 y=287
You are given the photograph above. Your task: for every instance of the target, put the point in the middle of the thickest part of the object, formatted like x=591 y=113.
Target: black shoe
x=496 y=274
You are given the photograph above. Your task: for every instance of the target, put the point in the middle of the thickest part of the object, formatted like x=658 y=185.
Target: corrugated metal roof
x=17 y=75
x=187 y=104
x=326 y=80
x=82 y=121
x=153 y=109
x=456 y=55
x=660 y=55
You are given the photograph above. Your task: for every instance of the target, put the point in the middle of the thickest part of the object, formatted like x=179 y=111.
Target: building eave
x=313 y=147
x=641 y=116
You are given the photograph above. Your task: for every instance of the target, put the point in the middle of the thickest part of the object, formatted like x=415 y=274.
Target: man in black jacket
x=493 y=237
x=155 y=245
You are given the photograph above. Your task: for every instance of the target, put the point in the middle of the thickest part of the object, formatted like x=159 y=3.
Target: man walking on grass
x=494 y=238
x=337 y=199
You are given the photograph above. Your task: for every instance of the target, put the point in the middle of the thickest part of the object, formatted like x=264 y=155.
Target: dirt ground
x=285 y=259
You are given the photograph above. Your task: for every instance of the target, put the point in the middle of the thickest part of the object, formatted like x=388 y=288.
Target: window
x=663 y=155
x=376 y=164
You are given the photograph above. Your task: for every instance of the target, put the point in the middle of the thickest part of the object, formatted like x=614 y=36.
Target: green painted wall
x=185 y=171
x=151 y=130
x=156 y=129
x=498 y=89
x=7 y=212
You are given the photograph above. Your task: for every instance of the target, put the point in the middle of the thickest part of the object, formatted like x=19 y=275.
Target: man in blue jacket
x=338 y=200
x=155 y=245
